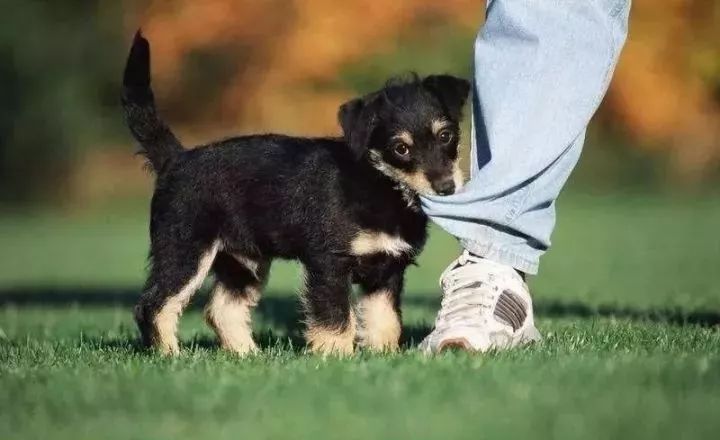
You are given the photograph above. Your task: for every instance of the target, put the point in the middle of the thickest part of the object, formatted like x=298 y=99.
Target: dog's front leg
x=379 y=307
x=330 y=320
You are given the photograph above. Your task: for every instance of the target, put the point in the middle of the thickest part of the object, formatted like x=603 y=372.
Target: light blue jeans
x=541 y=69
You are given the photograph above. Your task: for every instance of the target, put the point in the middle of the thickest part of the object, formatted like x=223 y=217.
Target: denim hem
x=499 y=254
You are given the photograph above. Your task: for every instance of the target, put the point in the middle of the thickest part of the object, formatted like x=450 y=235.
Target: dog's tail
x=157 y=142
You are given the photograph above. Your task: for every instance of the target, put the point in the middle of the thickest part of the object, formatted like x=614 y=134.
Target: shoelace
x=469 y=291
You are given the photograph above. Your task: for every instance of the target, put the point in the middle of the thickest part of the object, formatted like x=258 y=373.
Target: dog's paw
x=326 y=341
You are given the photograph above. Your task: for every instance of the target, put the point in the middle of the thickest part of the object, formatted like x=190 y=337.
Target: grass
x=627 y=301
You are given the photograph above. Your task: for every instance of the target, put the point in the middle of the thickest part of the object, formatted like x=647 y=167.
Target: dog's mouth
x=452 y=183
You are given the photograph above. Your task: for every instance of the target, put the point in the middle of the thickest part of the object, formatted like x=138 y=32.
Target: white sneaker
x=485 y=306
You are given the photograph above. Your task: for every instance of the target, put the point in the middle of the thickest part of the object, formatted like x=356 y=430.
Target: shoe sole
x=455 y=344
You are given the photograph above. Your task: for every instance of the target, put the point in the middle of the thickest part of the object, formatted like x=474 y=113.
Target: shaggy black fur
x=271 y=196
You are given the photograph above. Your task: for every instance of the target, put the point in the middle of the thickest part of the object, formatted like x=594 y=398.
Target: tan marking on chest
x=370 y=242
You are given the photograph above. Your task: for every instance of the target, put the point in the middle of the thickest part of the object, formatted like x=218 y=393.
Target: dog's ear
x=451 y=90
x=357 y=121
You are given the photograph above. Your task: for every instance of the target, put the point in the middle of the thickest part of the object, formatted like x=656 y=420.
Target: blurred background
x=74 y=199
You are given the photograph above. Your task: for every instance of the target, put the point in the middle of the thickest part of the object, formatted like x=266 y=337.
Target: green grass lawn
x=627 y=300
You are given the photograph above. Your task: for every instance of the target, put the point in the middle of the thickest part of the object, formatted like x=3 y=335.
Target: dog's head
x=410 y=131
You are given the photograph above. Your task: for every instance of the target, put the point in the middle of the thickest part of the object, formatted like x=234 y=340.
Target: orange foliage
x=660 y=92
x=294 y=43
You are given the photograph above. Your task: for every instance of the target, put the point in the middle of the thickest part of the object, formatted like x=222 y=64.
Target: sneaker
x=485 y=306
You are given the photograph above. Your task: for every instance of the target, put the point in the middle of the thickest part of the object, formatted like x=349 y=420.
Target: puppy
x=346 y=208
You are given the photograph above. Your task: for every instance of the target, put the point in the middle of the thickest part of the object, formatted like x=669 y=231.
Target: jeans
x=541 y=69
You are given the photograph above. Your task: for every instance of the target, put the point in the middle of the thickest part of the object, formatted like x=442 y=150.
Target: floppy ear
x=452 y=91
x=357 y=122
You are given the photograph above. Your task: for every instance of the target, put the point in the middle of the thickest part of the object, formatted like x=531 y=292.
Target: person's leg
x=541 y=69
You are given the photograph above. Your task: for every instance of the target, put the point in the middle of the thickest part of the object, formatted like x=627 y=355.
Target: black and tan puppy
x=346 y=208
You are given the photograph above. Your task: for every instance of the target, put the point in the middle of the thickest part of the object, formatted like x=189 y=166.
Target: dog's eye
x=401 y=149
x=445 y=136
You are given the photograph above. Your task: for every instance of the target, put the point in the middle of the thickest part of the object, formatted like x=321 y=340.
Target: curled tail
x=157 y=142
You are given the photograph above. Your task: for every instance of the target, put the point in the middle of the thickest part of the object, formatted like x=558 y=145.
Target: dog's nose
x=445 y=187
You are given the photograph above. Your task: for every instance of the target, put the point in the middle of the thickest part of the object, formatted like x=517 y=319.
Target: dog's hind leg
x=238 y=284
x=176 y=274
x=330 y=318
